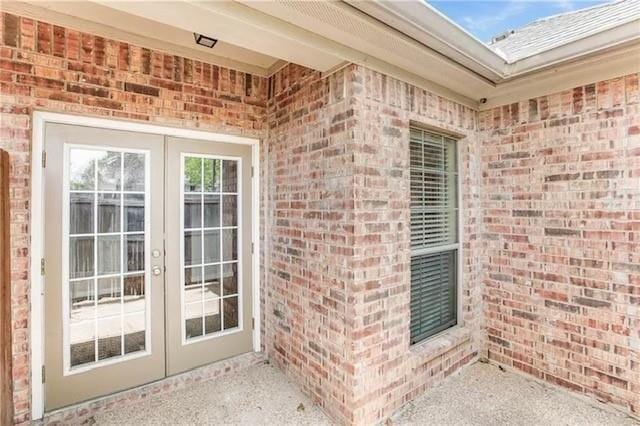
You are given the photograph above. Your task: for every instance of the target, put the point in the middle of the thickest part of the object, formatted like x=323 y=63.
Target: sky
x=485 y=19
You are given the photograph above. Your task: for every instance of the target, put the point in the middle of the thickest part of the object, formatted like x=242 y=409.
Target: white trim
x=36 y=315
x=597 y=67
x=436 y=249
x=134 y=126
x=460 y=283
x=255 y=237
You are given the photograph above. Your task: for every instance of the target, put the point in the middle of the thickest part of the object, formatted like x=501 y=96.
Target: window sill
x=442 y=342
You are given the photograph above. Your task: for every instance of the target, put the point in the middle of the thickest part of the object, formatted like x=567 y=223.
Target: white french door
x=148 y=248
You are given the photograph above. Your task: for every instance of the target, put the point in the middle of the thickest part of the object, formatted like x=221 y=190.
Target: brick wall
x=46 y=67
x=388 y=372
x=550 y=197
x=337 y=240
x=561 y=204
x=308 y=173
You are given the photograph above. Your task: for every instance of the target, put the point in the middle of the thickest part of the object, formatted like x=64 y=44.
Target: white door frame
x=40 y=119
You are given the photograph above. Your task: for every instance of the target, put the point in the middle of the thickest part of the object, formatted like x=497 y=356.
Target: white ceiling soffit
x=294 y=35
x=250 y=40
x=233 y=23
x=370 y=42
x=111 y=23
x=435 y=30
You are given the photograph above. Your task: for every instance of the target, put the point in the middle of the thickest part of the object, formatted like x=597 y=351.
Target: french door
x=208 y=251
x=147 y=249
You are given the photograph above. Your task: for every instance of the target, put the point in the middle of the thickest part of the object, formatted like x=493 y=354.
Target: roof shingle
x=553 y=31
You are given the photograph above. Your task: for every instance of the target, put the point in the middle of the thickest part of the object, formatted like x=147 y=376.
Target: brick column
x=308 y=177
x=388 y=372
x=337 y=230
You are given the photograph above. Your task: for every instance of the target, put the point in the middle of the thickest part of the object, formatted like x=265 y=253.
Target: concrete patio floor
x=258 y=395
x=483 y=394
x=261 y=395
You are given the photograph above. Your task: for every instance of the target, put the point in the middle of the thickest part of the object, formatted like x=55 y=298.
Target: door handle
x=156 y=270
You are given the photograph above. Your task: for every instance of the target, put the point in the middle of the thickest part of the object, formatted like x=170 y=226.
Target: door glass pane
x=211 y=210
x=82 y=300
x=109 y=337
x=82 y=342
x=192 y=211
x=229 y=210
x=193 y=174
x=134 y=171
x=81 y=262
x=230 y=279
x=109 y=171
x=107 y=284
x=211 y=281
x=109 y=254
x=211 y=169
x=134 y=334
x=82 y=169
x=193 y=284
x=134 y=293
x=193 y=247
x=230 y=244
x=193 y=319
x=212 y=317
x=210 y=245
x=134 y=212
x=230 y=311
x=135 y=253
x=81 y=213
x=229 y=176
x=108 y=213
x=108 y=297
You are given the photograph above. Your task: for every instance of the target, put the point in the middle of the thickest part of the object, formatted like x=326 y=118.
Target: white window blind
x=434 y=233
x=434 y=198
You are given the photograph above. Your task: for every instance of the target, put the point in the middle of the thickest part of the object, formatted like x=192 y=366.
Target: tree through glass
x=210 y=245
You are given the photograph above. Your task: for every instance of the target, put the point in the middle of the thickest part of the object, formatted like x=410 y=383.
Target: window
x=106 y=239
x=210 y=246
x=434 y=233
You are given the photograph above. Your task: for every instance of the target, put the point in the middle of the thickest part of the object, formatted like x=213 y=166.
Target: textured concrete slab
x=484 y=395
x=261 y=395
x=258 y=395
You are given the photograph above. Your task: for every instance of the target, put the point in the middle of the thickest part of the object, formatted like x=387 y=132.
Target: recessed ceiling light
x=205 y=41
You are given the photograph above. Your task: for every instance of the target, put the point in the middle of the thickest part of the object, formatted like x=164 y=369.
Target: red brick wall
x=550 y=189
x=308 y=174
x=561 y=203
x=337 y=240
x=46 y=67
x=388 y=372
